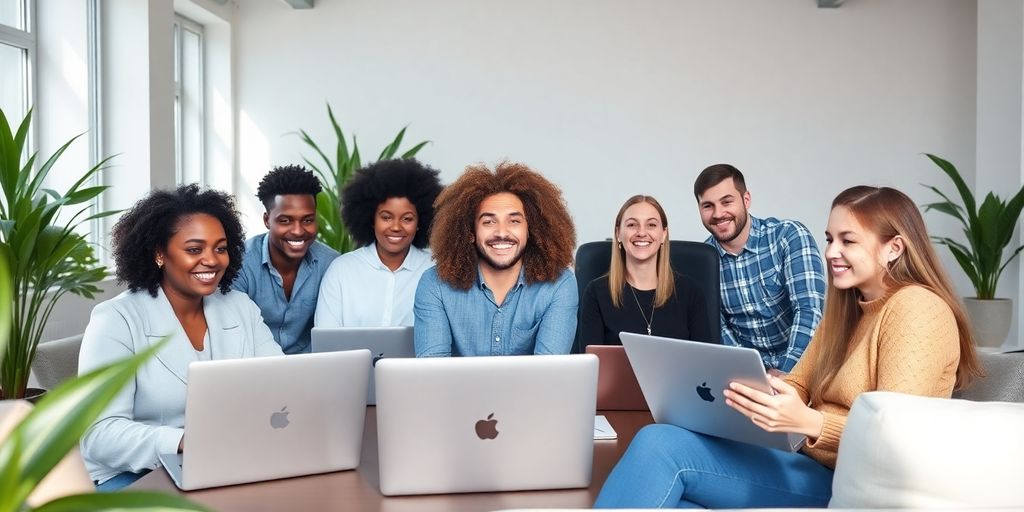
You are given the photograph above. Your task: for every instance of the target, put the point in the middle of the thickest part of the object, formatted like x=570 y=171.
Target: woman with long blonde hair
x=641 y=293
x=891 y=323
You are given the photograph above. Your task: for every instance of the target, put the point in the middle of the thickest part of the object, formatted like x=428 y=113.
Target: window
x=188 y=100
x=17 y=50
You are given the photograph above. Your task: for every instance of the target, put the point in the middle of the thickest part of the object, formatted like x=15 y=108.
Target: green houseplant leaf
x=51 y=429
x=988 y=229
x=41 y=238
x=334 y=174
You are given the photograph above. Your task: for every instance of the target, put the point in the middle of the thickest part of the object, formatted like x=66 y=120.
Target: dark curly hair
x=287 y=180
x=153 y=220
x=376 y=183
x=552 y=236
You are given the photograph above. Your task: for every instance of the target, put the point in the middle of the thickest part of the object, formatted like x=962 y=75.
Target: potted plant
x=39 y=237
x=989 y=228
x=333 y=176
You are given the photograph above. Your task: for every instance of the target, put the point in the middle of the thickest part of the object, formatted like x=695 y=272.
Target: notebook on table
x=617 y=388
x=683 y=383
x=254 y=419
x=481 y=424
x=382 y=342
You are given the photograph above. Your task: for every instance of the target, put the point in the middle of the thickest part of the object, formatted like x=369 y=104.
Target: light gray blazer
x=148 y=416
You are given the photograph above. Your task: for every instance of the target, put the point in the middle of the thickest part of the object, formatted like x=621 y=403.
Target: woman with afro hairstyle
x=387 y=207
x=177 y=251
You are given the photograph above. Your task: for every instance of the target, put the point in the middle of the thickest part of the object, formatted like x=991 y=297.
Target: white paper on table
x=603 y=429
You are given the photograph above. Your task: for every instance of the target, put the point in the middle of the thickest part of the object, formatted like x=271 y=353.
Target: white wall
x=610 y=98
x=606 y=97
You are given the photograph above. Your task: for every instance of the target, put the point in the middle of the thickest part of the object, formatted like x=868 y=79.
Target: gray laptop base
x=264 y=418
x=683 y=382
x=482 y=424
x=382 y=342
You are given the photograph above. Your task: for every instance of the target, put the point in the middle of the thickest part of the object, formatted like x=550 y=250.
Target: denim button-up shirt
x=289 y=320
x=538 y=318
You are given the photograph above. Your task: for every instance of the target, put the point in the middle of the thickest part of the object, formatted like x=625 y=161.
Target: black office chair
x=695 y=260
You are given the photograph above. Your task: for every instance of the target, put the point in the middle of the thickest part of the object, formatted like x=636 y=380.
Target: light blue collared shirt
x=538 y=318
x=289 y=320
x=358 y=290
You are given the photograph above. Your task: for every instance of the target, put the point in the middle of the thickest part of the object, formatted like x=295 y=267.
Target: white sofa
x=902 y=451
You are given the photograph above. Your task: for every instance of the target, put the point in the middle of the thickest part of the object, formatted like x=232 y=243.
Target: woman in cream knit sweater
x=891 y=322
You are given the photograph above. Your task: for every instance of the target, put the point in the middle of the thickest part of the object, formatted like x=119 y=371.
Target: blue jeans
x=120 y=481
x=668 y=466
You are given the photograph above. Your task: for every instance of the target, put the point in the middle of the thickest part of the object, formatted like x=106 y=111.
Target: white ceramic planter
x=990 y=320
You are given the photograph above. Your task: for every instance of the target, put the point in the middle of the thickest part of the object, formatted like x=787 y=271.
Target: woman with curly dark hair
x=503 y=242
x=387 y=207
x=178 y=252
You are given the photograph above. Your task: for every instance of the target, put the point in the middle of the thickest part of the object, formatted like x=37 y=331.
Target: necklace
x=648 y=322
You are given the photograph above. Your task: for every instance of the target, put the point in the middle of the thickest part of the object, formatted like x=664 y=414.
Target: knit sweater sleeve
x=799 y=377
x=918 y=344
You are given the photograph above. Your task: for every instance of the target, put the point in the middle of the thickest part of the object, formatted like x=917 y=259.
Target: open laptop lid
x=683 y=383
x=617 y=388
x=382 y=342
x=479 y=424
x=254 y=419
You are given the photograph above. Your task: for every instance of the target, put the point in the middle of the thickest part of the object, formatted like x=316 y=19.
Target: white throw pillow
x=904 y=451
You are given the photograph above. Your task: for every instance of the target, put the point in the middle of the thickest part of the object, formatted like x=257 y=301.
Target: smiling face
x=291 y=226
x=195 y=257
x=394 y=226
x=723 y=210
x=857 y=258
x=501 y=231
x=641 y=232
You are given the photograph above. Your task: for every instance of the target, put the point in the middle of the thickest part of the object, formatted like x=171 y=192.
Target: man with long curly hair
x=282 y=268
x=503 y=243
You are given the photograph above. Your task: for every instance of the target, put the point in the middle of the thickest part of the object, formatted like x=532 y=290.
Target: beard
x=740 y=223
x=481 y=250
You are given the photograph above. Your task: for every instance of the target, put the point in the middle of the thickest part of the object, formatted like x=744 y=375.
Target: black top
x=684 y=316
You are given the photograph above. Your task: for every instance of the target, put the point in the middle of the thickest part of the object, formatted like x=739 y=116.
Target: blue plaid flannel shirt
x=773 y=291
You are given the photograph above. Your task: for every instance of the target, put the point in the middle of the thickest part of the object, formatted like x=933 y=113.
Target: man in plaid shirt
x=772 y=277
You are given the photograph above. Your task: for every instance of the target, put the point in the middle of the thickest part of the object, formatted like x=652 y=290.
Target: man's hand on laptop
x=782 y=412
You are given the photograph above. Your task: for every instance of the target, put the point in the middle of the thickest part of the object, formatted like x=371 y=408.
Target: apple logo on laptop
x=279 y=419
x=488 y=428
x=705 y=392
x=376 y=358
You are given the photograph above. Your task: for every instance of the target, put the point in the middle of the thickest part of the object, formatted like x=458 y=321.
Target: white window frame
x=26 y=41
x=182 y=23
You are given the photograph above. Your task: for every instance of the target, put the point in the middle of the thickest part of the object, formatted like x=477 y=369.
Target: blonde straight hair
x=617 y=270
x=887 y=213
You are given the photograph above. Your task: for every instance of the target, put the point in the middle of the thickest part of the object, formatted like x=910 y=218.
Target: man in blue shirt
x=503 y=244
x=772 y=277
x=282 y=268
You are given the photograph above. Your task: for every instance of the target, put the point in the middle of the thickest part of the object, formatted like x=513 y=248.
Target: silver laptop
x=262 y=418
x=382 y=342
x=480 y=424
x=683 y=383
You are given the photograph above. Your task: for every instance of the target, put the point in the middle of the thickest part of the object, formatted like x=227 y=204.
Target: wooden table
x=359 y=489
